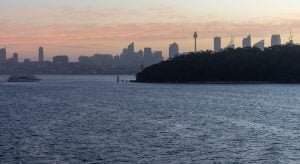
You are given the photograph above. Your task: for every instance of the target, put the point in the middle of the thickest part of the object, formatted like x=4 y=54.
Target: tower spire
x=195 y=37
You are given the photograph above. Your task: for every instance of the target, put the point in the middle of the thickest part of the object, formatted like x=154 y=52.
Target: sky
x=86 y=27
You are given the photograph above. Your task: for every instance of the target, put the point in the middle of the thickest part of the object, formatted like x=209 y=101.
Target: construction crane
x=231 y=43
x=291 y=41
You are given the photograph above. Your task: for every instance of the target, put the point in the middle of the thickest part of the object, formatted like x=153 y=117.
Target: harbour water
x=94 y=119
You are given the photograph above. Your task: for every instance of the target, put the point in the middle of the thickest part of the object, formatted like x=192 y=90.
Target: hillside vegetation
x=274 y=64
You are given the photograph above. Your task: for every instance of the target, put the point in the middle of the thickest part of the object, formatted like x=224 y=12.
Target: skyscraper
x=157 y=56
x=260 y=45
x=140 y=53
x=15 y=58
x=276 y=40
x=3 y=55
x=147 y=57
x=247 y=41
x=147 y=52
x=217 y=44
x=41 y=54
x=131 y=49
x=173 y=50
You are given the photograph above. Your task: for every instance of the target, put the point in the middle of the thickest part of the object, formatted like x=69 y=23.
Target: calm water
x=92 y=119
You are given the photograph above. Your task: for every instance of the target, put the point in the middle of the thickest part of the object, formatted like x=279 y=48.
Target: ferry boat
x=23 y=78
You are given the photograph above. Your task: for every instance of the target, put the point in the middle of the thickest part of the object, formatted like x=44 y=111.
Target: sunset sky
x=86 y=27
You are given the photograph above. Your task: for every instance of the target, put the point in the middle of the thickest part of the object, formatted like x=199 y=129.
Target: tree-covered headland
x=278 y=64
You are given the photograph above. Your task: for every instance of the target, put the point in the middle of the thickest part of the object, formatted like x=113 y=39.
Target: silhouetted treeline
x=275 y=64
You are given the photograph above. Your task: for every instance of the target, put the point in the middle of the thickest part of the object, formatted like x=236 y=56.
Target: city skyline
x=81 y=27
x=217 y=43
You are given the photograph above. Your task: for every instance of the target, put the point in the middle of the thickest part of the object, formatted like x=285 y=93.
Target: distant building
x=157 y=56
x=41 y=54
x=173 y=50
x=84 y=60
x=3 y=55
x=116 y=62
x=104 y=60
x=247 y=41
x=140 y=53
x=63 y=59
x=125 y=51
x=147 y=52
x=276 y=40
x=15 y=58
x=130 y=49
x=148 y=56
x=27 y=61
x=217 y=44
x=260 y=45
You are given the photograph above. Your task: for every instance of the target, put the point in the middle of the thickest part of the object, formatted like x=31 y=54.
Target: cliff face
x=275 y=64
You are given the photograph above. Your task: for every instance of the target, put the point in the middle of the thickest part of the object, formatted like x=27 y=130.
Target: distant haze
x=86 y=27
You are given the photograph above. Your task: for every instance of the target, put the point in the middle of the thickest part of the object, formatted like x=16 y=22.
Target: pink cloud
x=110 y=29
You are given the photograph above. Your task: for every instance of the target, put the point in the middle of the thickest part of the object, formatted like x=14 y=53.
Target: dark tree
x=278 y=64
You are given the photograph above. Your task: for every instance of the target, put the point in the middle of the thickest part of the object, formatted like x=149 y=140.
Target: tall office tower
x=140 y=53
x=3 y=55
x=276 y=40
x=157 y=57
x=15 y=58
x=217 y=44
x=131 y=49
x=125 y=52
x=195 y=37
x=247 y=41
x=147 y=52
x=147 y=57
x=41 y=54
x=260 y=45
x=173 y=50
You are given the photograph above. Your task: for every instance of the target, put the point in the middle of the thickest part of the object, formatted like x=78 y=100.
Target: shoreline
x=220 y=82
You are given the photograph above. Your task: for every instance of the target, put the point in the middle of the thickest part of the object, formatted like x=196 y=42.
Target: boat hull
x=16 y=79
